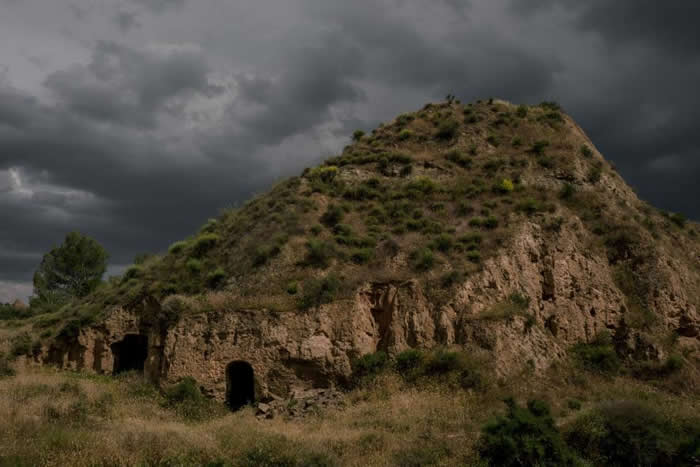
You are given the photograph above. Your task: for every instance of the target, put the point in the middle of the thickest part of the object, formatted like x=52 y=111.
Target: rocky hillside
x=490 y=226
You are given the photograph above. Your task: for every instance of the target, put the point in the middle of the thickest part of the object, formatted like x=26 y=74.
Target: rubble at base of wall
x=300 y=403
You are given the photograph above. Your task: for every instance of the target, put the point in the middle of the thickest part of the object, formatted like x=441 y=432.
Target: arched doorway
x=240 y=385
x=130 y=353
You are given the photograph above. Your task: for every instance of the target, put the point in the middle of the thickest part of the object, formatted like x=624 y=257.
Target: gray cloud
x=127 y=86
x=126 y=20
x=159 y=6
x=135 y=135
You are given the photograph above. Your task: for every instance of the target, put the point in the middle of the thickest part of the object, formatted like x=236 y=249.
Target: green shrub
x=204 y=243
x=474 y=256
x=443 y=243
x=333 y=215
x=292 y=288
x=594 y=174
x=598 y=355
x=357 y=135
x=447 y=128
x=586 y=151
x=5 y=369
x=20 y=345
x=316 y=229
x=408 y=361
x=370 y=365
x=490 y=222
x=317 y=292
x=177 y=247
x=530 y=206
x=516 y=142
x=629 y=433
x=405 y=134
x=188 y=401
x=439 y=362
x=319 y=253
x=525 y=436
x=539 y=146
x=678 y=219
x=133 y=272
x=194 y=265
x=521 y=112
x=449 y=279
x=216 y=278
x=423 y=260
x=567 y=191
x=458 y=158
x=361 y=255
x=550 y=105
x=493 y=140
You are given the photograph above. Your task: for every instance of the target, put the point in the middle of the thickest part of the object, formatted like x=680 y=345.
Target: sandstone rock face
x=572 y=297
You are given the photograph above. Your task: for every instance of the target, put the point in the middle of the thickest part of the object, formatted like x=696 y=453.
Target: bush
x=177 y=247
x=188 y=401
x=447 y=129
x=567 y=191
x=440 y=362
x=5 y=369
x=292 y=288
x=458 y=158
x=370 y=365
x=586 y=151
x=443 y=243
x=405 y=134
x=598 y=355
x=319 y=253
x=539 y=147
x=632 y=433
x=505 y=186
x=216 y=278
x=594 y=174
x=408 y=361
x=521 y=112
x=133 y=272
x=361 y=255
x=524 y=437
x=317 y=292
x=423 y=260
x=204 y=243
x=678 y=219
x=194 y=265
x=493 y=140
x=333 y=215
x=357 y=135
x=21 y=345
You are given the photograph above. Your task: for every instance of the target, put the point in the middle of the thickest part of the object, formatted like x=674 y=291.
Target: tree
x=73 y=269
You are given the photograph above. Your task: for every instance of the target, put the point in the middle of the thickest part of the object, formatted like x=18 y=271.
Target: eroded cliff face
x=572 y=297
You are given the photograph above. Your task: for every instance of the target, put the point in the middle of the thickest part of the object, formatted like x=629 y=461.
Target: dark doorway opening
x=130 y=353
x=240 y=385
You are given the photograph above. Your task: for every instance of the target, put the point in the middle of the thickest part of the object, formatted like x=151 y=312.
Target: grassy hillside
x=430 y=195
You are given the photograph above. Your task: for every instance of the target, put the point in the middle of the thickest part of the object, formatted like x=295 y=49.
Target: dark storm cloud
x=301 y=97
x=668 y=25
x=157 y=113
x=130 y=87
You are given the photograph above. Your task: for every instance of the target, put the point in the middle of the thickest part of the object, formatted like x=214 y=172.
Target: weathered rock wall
x=572 y=297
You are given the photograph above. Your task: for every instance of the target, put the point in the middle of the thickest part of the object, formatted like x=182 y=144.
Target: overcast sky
x=134 y=121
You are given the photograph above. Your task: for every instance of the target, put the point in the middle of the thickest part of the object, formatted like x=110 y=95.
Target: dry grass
x=48 y=417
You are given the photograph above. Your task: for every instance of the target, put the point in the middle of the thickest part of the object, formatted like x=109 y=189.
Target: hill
x=468 y=247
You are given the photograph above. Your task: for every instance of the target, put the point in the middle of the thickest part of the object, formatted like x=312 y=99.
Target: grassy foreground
x=49 y=417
